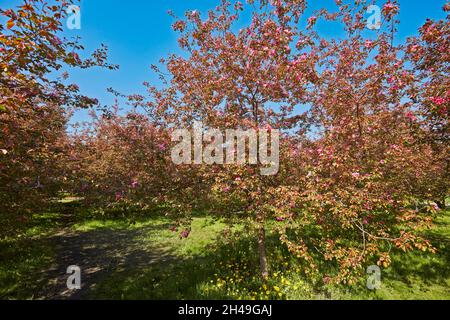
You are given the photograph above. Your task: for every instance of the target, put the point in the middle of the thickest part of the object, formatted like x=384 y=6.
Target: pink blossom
x=56 y=41
x=368 y=44
x=356 y=175
x=414 y=48
x=179 y=26
x=162 y=146
x=238 y=6
x=185 y=233
x=134 y=184
x=438 y=100
x=411 y=116
x=389 y=8
x=312 y=20
x=76 y=57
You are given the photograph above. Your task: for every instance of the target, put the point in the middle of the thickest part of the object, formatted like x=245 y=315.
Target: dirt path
x=99 y=254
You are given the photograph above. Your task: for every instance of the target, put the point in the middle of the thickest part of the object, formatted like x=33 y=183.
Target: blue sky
x=138 y=33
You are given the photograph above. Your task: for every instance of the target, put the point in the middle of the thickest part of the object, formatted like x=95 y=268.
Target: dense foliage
x=364 y=150
x=35 y=98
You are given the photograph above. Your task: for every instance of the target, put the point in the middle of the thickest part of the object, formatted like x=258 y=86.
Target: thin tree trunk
x=260 y=217
x=262 y=252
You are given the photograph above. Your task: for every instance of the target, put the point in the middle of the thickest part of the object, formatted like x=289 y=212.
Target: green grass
x=22 y=262
x=184 y=266
x=418 y=275
x=25 y=254
x=210 y=264
x=209 y=268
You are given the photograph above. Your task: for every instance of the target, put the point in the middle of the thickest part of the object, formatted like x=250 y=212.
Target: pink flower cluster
x=312 y=21
x=410 y=115
x=438 y=100
x=134 y=184
x=390 y=8
x=185 y=233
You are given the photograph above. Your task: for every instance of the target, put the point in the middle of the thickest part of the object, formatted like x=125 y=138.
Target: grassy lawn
x=24 y=256
x=146 y=260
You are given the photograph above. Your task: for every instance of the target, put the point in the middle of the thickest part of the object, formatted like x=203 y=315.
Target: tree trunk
x=260 y=217
x=262 y=253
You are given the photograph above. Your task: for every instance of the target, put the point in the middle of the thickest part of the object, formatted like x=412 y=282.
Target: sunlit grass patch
x=214 y=262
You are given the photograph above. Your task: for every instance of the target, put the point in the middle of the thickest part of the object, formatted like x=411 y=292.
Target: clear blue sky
x=138 y=33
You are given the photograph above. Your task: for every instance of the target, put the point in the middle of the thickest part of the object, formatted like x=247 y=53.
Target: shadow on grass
x=35 y=257
x=428 y=267
x=122 y=261
x=100 y=254
x=178 y=277
x=22 y=265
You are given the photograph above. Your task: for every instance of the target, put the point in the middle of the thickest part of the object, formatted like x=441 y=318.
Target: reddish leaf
x=10 y=24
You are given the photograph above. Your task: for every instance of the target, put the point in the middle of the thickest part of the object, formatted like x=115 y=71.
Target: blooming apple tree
x=351 y=162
